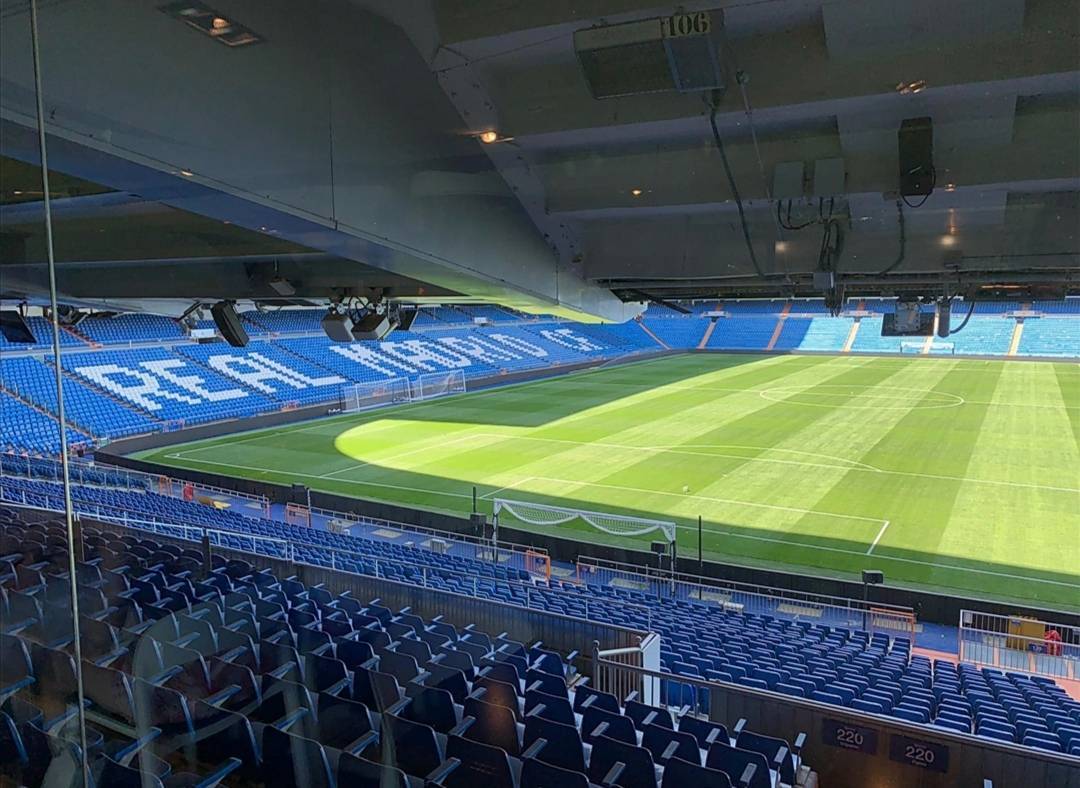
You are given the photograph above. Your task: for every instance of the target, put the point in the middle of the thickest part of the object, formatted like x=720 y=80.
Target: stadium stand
x=843 y=666
x=815 y=334
x=744 y=333
x=682 y=334
x=42 y=332
x=128 y=329
x=164 y=379
x=268 y=678
x=89 y=410
x=1050 y=336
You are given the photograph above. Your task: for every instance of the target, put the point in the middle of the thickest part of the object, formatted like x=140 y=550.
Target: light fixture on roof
x=186 y=173
x=780 y=247
x=489 y=136
x=206 y=20
x=636 y=192
x=948 y=240
x=910 y=88
x=950 y=187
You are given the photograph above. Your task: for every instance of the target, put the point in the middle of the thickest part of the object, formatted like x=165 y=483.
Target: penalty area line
x=877 y=538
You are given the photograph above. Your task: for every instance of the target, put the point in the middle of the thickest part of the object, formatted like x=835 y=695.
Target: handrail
x=650 y=573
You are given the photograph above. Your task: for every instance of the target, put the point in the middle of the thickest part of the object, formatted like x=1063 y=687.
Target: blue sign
x=916 y=752
x=849 y=737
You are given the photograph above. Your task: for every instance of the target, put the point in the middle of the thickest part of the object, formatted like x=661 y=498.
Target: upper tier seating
x=42 y=331
x=125 y=329
x=1066 y=306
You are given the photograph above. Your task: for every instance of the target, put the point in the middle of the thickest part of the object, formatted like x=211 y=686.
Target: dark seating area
x=236 y=676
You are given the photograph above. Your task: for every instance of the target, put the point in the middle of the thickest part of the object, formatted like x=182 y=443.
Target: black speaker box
x=338 y=327
x=406 y=318
x=916 y=149
x=14 y=328
x=872 y=577
x=228 y=323
x=944 y=312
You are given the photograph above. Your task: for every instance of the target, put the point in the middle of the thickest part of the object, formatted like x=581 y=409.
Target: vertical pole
x=700 y=559
x=60 y=415
x=474 y=499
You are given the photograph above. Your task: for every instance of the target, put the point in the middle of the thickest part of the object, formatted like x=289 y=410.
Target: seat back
x=357 y=772
x=409 y=746
x=658 y=739
x=537 y=774
x=291 y=761
x=733 y=762
x=681 y=774
x=771 y=748
x=564 y=746
x=481 y=764
x=639 y=771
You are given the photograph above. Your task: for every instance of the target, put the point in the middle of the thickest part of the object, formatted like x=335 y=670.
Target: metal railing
x=739 y=596
x=1018 y=643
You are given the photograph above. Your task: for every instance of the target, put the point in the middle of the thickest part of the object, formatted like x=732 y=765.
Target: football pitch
x=955 y=475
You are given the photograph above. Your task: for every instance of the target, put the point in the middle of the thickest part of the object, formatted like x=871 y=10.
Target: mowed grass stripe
x=793 y=476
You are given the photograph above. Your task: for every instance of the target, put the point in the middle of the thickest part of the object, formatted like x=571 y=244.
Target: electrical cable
x=734 y=189
x=933 y=183
x=959 y=328
x=903 y=241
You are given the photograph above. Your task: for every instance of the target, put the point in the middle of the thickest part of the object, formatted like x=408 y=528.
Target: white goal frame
x=438 y=384
x=554 y=516
x=362 y=396
x=913 y=347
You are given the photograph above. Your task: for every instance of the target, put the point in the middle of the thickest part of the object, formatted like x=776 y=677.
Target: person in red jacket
x=1052 y=640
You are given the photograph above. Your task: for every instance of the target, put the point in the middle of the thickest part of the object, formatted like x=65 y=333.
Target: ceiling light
x=206 y=20
x=186 y=173
x=489 y=137
x=950 y=187
x=17 y=192
x=908 y=88
x=948 y=240
x=636 y=192
x=781 y=246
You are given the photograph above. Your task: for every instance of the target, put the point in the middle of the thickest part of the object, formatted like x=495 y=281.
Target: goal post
x=438 y=384
x=361 y=396
x=538 y=514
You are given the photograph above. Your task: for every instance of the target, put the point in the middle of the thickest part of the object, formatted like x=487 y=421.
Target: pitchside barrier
x=1020 y=643
x=750 y=598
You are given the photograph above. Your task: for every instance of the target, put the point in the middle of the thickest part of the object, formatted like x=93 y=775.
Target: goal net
x=438 y=384
x=554 y=516
x=912 y=347
x=370 y=395
x=943 y=349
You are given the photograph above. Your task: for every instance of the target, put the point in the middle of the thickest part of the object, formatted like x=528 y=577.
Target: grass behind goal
x=944 y=473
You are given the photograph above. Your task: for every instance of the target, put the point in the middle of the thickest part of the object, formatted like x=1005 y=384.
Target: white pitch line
x=878 y=537
x=856 y=466
x=518 y=483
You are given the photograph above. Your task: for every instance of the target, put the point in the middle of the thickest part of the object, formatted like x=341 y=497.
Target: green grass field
x=952 y=474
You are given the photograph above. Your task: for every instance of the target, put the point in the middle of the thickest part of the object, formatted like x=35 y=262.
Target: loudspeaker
x=228 y=323
x=338 y=327
x=915 y=143
x=659 y=547
x=298 y=493
x=479 y=521
x=373 y=326
x=406 y=318
x=944 y=311
x=873 y=577
x=14 y=328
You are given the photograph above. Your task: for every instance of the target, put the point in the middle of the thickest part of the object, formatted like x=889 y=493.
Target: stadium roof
x=341 y=153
